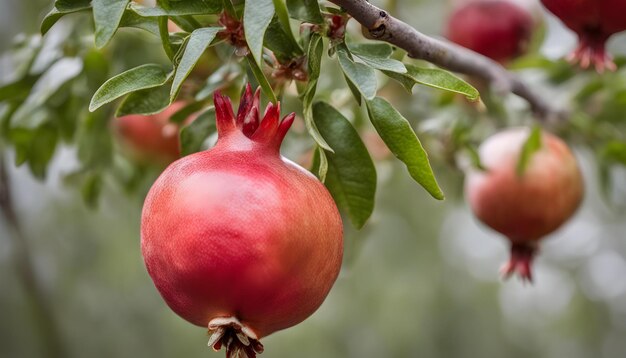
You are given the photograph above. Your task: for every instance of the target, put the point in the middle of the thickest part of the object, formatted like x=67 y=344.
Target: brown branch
x=23 y=261
x=379 y=25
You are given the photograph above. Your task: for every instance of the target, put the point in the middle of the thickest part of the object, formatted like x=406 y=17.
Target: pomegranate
x=151 y=137
x=594 y=21
x=525 y=207
x=238 y=239
x=497 y=29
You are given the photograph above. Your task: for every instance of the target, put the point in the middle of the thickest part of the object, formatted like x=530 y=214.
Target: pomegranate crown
x=270 y=131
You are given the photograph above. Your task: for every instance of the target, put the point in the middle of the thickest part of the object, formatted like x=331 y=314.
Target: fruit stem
x=238 y=339
x=24 y=266
x=520 y=261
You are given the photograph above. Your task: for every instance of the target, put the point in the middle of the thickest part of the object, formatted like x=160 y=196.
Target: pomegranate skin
x=497 y=29
x=151 y=137
x=594 y=21
x=238 y=232
x=524 y=208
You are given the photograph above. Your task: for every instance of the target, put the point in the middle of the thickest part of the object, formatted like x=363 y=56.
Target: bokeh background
x=420 y=280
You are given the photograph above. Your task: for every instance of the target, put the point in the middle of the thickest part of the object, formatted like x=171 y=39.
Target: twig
x=379 y=25
x=23 y=261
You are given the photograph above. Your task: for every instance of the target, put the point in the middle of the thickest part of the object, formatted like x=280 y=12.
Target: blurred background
x=420 y=280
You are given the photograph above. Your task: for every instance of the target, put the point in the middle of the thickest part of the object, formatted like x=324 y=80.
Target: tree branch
x=382 y=26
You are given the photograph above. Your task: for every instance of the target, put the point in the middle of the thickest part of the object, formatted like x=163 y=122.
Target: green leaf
x=186 y=23
x=362 y=76
x=377 y=56
x=42 y=149
x=70 y=5
x=261 y=79
x=107 y=15
x=193 y=135
x=474 y=157
x=257 y=16
x=378 y=49
x=383 y=64
x=305 y=10
x=435 y=77
x=221 y=77
x=91 y=189
x=314 y=54
x=283 y=17
x=35 y=146
x=147 y=101
x=135 y=79
x=320 y=163
x=198 y=42
x=60 y=9
x=180 y=8
x=94 y=141
x=314 y=58
x=17 y=90
x=531 y=145
x=355 y=91
x=132 y=19
x=351 y=177
x=398 y=135
x=46 y=86
x=614 y=152
x=164 y=34
x=282 y=45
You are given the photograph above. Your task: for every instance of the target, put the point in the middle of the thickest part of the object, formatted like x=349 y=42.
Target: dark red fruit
x=151 y=137
x=594 y=21
x=528 y=207
x=497 y=29
x=239 y=239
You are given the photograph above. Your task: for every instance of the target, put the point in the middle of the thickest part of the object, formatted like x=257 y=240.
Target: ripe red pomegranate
x=528 y=207
x=594 y=21
x=239 y=239
x=497 y=29
x=151 y=137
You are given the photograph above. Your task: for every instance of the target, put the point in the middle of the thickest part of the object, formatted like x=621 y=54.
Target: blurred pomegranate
x=594 y=21
x=153 y=137
x=498 y=29
x=238 y=239
x=526 y=207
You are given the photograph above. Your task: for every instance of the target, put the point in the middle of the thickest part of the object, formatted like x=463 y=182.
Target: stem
x=40 y=307
x=379 y=25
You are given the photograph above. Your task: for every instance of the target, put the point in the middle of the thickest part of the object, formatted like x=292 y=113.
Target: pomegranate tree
x=497 y=29
x=151 y=137
x=239 y=239
x=594 y=21
x=524 y=206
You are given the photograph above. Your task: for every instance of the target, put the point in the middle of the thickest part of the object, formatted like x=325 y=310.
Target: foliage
x=66 y=88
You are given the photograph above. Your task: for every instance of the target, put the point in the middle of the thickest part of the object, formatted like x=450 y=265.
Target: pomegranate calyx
x=238 y=339
x=592 y=51
x=520 y=262
x=269 y=132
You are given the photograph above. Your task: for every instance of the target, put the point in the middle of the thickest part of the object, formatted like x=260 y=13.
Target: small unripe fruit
x=528 y=206
x=152 y=137
x=497 y=29
x=594 y=21
x=239 y=239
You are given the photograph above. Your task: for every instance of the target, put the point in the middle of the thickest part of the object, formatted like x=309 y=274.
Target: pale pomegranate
x=527 y=207
x=594 y=21
x=239 y=239
x=497 y=29
x=151 y=137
